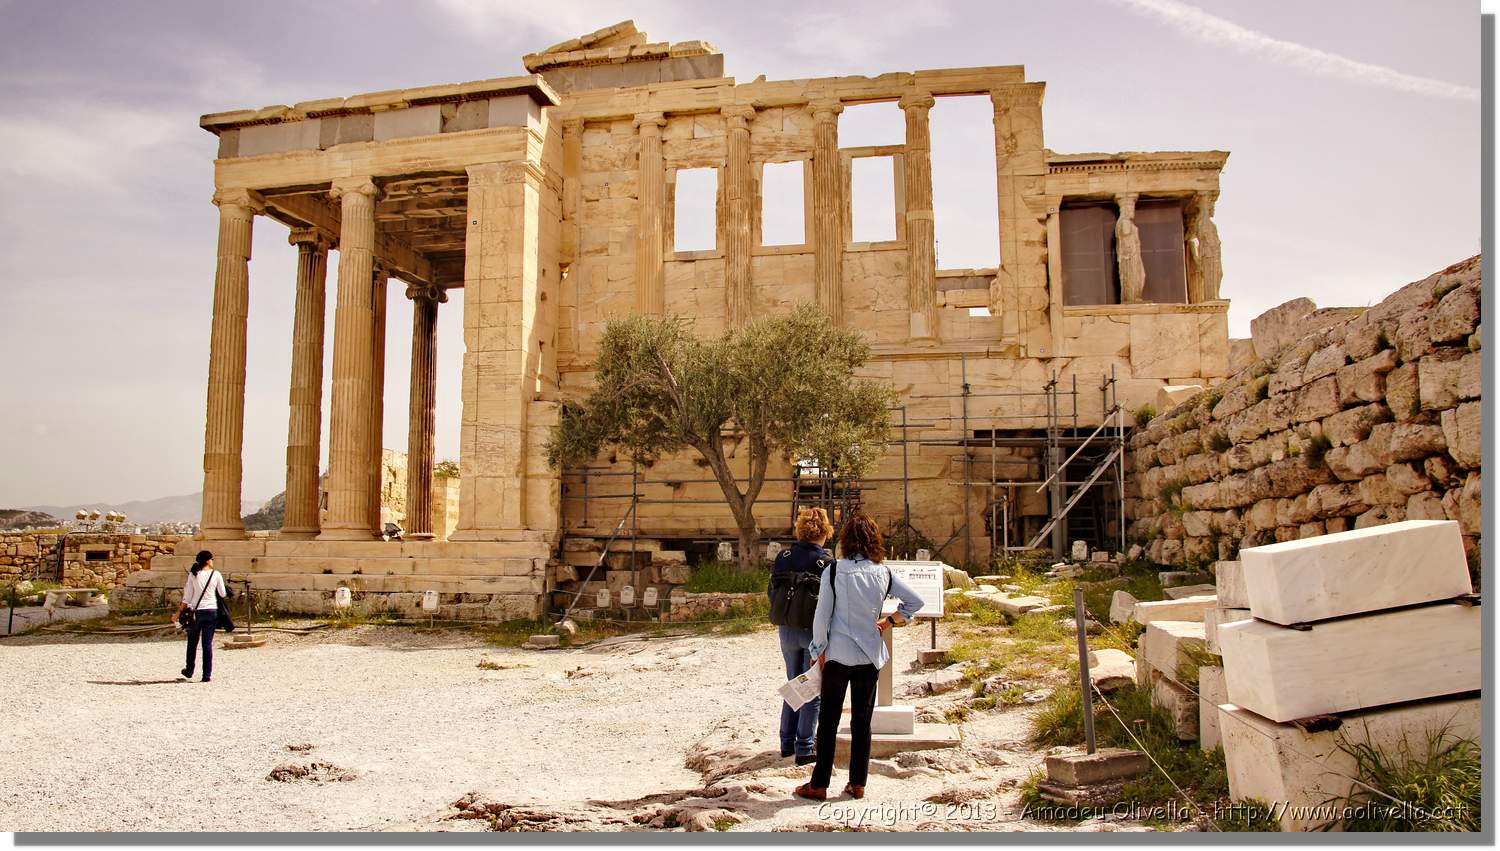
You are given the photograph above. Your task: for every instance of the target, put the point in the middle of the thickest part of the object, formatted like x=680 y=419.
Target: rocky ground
x=396 y=728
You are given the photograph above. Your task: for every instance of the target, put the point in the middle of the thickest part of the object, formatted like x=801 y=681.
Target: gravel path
x=100 y=736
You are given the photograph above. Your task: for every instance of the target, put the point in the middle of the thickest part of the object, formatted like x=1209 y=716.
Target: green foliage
x=780 y=385
x=1172 y=498
x=1218 y=441
x=725 y=578
x=445 y=469
x=1437 y=779
x=903 y=541
x=1317 y=451
x=1144 y=414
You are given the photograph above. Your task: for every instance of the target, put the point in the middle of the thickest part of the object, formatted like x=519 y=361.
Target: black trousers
x=860 y=681
x=202 y=631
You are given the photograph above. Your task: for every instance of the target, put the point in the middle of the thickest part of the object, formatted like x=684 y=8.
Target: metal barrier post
x=1080 y=619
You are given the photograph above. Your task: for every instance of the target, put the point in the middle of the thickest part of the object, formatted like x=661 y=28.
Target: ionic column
x=305 y=427
x=828 y=209
x=380 y=279
x=353 y=360
x=650 y=282
x=224 y=430
x=1128 y=250
x=419 y=437
x=739 y=192
x=921 y=252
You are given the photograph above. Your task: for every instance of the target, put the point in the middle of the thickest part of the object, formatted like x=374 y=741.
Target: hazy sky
x=1354 y=127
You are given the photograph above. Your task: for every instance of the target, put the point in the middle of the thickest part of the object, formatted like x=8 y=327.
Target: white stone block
x=277 y=138
x=413 y=121
x=1122 y=607
x=1186 y=609
x=1229 y=579
x=1362 y=570
x=1166 y=645
x=1080 y=551
x=1354 y=663
x=1287 y=765
x=1182 y=592
x=1211 y=693
x=1215 y=618
x=894 y=720
x=1180 y=705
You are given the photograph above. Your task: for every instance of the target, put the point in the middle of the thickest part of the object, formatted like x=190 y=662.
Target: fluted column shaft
x=423 y=409
x=828 y=209
x=224 y=431
x=738 y=197
x=921 y=250
x=353 y=355
x=305 y=426
x=650 y=283
x=379 y=280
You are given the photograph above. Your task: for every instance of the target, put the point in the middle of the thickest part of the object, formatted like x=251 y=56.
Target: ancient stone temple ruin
x=550 y=200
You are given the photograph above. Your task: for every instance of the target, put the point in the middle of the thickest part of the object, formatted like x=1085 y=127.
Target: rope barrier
x=1126 y=727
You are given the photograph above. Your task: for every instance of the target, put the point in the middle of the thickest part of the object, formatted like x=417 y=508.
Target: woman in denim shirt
x=806 y=556
x=848 y=644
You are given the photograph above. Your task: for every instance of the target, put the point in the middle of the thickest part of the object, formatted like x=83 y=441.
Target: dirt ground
x=402 y=723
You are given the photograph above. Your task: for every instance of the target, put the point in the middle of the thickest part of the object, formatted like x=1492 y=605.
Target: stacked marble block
x=1169 y=654
x=1367 y=626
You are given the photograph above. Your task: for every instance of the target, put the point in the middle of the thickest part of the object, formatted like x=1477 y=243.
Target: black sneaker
x=186 y=674
x=807 y=759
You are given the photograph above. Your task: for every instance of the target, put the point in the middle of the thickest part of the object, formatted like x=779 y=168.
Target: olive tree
x=780 y=386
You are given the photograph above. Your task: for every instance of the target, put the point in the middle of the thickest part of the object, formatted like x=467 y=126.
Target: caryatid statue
x=1204 y=243
x=1128 y=250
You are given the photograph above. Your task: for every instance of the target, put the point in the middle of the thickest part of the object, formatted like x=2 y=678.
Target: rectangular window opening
x=781 y=204
x=1090 y=272
x=966 y=211
x=96 y=555
x=873 y=198
x=695 y=210
x=868 y=124
x=1162 y=241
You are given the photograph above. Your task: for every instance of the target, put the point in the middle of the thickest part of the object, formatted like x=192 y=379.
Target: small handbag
x=189 y=616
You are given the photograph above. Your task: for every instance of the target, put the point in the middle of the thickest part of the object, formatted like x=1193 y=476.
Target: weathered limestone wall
x=26 y=555
x=1355 y=418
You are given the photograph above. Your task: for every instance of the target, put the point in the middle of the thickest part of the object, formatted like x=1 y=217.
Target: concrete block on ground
x=884 y=745
x=1213 y=619
x=1017 y=606
x=1111 y=669
x=1362 y=570
x=894 y=720
x=1211 y=693
x=1186 y=609
x=1173 y=578
x=1122 y=607
x=1167 y=645
x=1102 y=766
x=1353 y=663
x=932 y=657
x=1286 y=764
x=1229 y=580
x=1180 y=705
x=1181 y=592
x=1145 y=676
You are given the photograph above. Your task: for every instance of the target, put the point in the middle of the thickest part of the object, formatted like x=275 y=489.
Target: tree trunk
x=749 y=549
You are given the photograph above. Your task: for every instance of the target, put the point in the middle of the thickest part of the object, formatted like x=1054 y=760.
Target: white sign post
x=925 y=578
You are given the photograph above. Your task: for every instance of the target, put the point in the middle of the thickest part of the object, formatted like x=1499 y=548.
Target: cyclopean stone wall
x=31 y=555
x=1346 y=419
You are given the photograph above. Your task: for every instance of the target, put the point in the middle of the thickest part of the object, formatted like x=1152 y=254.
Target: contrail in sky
x=1195 y=22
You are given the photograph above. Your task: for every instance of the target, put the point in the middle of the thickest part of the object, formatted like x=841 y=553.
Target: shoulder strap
x=202 y=592
x=890 y=579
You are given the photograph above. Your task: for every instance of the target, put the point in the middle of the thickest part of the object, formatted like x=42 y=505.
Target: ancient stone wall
x=1372 y=418
x=90 y=559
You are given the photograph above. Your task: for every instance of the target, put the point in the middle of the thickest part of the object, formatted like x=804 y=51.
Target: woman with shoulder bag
x=198 y=612
x=804 y=560
x=849 y=646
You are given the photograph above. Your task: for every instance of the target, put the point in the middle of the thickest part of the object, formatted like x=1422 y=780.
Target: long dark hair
x=203 y=558
x=862 y=537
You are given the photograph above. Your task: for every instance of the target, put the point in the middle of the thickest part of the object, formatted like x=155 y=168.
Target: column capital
x=824 y=109
x=380 y=269
x=248 y=201
x=1126 y=201
x=1018 y=94
x=358 y=185
x=644 y=120
x=499 y=174
x=310 y=236
x=916 y=101
x=434 y=292
x=737 y=115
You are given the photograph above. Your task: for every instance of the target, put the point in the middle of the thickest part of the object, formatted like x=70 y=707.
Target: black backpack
x=794 y=594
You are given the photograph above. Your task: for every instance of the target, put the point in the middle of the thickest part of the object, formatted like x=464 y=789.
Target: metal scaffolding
x=994 y=432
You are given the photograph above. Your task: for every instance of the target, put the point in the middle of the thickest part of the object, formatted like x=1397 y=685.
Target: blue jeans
x=204 y=622
x=797 y=727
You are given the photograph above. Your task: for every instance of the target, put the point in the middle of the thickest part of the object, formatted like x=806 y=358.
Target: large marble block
x=1166 y=645
x=1229 y=580
x=1186 y=609
x=1214 y=618
x=1362 y=570
x=1354 y=663
x=1300 y=771
x=1211 y=693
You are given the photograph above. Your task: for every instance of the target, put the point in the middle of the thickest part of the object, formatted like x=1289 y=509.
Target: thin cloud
x=1201 y=25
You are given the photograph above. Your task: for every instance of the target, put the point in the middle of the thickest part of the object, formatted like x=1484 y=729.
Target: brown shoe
x=811 y=792
x=854 y=791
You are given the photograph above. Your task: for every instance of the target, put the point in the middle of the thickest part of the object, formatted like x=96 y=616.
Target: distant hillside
x=168 y=509
x=15 y=518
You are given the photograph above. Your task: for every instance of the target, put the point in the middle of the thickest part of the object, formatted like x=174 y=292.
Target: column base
x=419 y=536
x=222 y=534
x=360 y=534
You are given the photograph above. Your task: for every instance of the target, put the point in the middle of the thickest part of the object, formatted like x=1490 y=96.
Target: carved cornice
x=1141 y=166
x=1018 y=94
